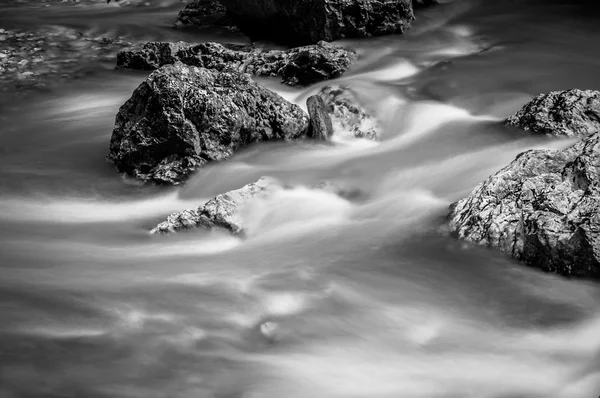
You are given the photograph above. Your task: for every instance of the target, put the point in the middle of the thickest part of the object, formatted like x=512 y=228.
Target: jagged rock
x=348 y=115
x=298 y=66
x=562 y=113
x=220 y=212
x=182 y=117
x=542 y=209
x=320 y=123
x=299 y=22
x=205 y=14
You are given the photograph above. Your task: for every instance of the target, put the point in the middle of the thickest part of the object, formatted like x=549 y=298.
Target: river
x=326 y=297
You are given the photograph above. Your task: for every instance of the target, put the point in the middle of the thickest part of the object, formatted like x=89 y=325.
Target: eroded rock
x=348 y=115
x=567 y=113
x=298 y=66
x=220 y=212
x=320 y=123
x=542 y=209
x=298 y=22
x=183 y=117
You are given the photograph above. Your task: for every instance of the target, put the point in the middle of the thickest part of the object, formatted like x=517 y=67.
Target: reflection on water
x=364 y=296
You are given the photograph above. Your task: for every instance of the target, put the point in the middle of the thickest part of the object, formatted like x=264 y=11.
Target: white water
x=365 y=296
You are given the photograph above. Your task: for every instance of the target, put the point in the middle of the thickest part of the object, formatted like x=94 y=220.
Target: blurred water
x=327 y=297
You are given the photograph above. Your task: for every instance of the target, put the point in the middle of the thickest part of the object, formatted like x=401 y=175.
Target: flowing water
x=326 y=297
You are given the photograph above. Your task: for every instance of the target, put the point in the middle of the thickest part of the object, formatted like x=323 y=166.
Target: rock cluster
x=298 y=66
x=299 y=22
x=221 y=211
x=569 y=113
x=182 y=117
x=542 y=209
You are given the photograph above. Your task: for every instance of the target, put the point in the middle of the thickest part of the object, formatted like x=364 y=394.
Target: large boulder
x=221 y=211
x=542 y=209
x=567 y=113
x=183 y=117
x=348 y=115
x=299 y=22
x=298 y=66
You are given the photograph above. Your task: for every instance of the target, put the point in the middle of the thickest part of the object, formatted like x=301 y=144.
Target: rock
x=298 y=22
x=220 y=212
x=320 y=122
x=183 y=117
x=298 y=66
x=205 y=14
x=542 y=209
x=348 y=115
x=423 y=3
x=561 y=113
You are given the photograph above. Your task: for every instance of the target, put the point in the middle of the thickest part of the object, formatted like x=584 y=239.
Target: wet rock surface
x=567 y=113
x=221 y=211
x=298 y=22
x=183 y=117
x=320 y=122
x=298 y=66
x=348 y=115
x=205 y=14
x=542 y=209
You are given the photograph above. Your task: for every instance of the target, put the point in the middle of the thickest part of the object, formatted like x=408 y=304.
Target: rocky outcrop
x=298 y=66
x=542 y=209
x=221 y=211
x=183 y=117
x=348 y=115
x=205 y=14
x=567 y=113
x=298 y=22
x=320 y=123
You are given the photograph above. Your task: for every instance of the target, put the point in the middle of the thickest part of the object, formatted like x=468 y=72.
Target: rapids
x=327 y=297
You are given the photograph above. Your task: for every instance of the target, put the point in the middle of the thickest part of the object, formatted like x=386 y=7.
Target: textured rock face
x=298 y=66
x=221 y=211
x=348 y=115
x=562 y=113
x=542 y=209
x=182 y=117
x=205 y=14
x=299 y=22
x=320 y=123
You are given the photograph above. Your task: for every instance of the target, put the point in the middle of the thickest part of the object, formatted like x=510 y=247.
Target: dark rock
x=347 y=113
x=299 y=22
x=423 y=3
x=298 y=66
x=182 y=117
x=220 y=212
x=561 y=113
x=320 y=122
x=205 y=14
x=542 y=209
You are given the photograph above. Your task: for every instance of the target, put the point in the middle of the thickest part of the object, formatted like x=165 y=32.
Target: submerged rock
x=183 y=117
x=298 y=66
x=303 y=22
x=320 y=122
x=348 y=115
x=542 y=209
x=567 y=113
x=205 y=14
x=221 y=211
